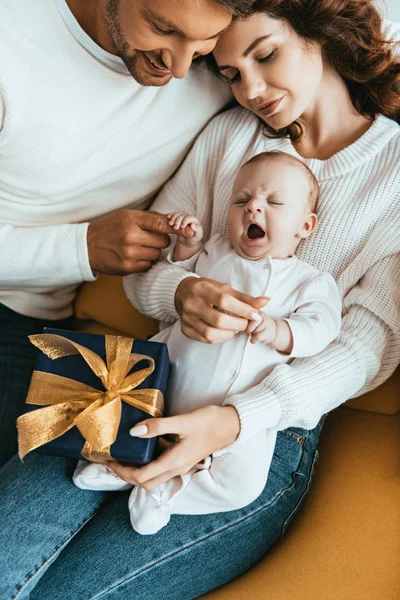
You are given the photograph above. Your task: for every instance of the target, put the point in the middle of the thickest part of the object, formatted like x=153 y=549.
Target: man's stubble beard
x=122 y=47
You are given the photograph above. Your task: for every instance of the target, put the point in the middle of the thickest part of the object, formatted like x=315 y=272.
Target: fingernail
x=256 y=317
x=138 y=430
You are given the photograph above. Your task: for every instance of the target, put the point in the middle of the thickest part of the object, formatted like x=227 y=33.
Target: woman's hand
x=198 y=434
x=212 y=312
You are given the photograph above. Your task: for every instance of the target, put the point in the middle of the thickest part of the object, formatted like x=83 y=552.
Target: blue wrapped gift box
x=126 y=449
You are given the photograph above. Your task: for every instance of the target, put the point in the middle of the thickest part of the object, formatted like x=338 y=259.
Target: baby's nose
x=254 y=206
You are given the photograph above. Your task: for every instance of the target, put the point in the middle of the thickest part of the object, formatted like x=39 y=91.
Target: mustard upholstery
x=345 y=542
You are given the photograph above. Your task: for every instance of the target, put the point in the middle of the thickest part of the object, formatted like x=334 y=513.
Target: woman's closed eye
x=268 y=57
x=233 y=75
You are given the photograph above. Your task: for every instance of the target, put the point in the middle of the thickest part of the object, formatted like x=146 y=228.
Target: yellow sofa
x=345 y=542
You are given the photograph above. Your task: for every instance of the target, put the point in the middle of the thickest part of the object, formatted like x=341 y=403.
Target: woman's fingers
x=198 y=434
x=208 y=308
x=200 y=331
x=230 y=300
x=221 y=320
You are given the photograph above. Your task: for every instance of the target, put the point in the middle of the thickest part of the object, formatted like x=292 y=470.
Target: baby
x=272 y=209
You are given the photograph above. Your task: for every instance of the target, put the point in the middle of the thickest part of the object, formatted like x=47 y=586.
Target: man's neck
x=89 y=15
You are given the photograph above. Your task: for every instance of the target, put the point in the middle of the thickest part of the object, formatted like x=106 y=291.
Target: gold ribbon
x=70 y=403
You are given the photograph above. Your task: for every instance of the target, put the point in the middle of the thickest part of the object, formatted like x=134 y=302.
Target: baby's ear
x=309 y=225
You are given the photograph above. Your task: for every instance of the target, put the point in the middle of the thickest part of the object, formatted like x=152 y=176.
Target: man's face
x=158 y=39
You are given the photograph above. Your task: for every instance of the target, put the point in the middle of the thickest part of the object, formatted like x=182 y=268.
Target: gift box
x=87 y=391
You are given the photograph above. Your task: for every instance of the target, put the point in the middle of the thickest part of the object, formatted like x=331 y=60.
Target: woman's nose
x=253 y=86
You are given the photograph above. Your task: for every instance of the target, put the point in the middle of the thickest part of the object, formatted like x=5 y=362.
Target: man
x=97 y=110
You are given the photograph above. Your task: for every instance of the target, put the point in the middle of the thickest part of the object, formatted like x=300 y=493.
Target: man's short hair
x=295 y=162
x=238 y=8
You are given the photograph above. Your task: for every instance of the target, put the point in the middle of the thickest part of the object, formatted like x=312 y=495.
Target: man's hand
x=213 y=312
x=127 y=241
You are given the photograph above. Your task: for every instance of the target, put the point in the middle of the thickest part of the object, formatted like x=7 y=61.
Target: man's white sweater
x=357 y=241
x=79 y=138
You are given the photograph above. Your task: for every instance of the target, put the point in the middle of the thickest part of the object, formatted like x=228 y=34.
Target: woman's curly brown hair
x=351 y=36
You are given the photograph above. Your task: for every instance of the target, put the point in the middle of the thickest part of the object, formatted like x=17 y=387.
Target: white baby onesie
x=204 y=374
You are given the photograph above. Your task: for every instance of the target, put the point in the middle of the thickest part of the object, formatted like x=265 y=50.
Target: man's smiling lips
x=154 y=67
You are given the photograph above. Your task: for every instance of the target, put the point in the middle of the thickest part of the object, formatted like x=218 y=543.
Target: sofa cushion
x=104 y=301
x=345 y=541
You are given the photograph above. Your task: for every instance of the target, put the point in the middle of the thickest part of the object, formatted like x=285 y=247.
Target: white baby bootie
x=93 y=476
x=150 y=510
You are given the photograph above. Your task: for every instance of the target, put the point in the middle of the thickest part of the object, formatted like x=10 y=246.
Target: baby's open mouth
x=254 y=232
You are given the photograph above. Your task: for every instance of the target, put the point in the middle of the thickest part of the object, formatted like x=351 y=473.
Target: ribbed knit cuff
x=161 y=300
x=258 y=410
x=188 y=264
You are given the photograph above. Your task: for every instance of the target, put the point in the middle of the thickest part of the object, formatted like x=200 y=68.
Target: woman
x=337 y=125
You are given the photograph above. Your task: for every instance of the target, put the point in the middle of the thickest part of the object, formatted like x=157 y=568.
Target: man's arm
x=44 y=256
x=122 y=242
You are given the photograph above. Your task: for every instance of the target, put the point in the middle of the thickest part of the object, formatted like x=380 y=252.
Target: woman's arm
x=366 y=353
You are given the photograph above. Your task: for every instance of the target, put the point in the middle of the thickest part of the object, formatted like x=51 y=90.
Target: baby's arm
x=311 y=327
x=190 y=234
x=274 y=332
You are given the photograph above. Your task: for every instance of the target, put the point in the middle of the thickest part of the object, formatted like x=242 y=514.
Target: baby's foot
x=92 y=476
x=150 y=510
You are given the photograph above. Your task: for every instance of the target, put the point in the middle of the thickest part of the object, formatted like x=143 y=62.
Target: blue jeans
x=61 y=543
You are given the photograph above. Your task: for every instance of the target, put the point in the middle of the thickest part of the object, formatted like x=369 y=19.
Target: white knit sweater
x=79 y=138
x=357 y=241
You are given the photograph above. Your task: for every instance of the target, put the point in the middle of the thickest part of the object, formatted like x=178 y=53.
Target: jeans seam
x=49 y=558
x=296 y=508
x=214 y=533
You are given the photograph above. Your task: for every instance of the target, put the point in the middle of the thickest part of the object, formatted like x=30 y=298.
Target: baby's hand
x=188 y=228
x=265 y=330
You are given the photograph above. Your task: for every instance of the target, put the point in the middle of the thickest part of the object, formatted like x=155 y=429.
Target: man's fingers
x=152 y=221
x=152 y=239
x=138 y=266
x=142 y=253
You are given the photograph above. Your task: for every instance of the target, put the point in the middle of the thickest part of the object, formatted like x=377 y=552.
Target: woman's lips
x=153 y=68
x=268 y=109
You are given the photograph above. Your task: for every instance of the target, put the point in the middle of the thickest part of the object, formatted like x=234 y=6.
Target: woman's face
x=272 y=71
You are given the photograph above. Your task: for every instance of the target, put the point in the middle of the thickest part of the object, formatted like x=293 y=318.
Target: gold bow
x=95 y=413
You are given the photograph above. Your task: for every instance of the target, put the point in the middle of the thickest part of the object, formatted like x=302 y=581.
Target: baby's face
x=268 y=210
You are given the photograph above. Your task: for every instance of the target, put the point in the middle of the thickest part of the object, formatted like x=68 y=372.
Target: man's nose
x=179 y=57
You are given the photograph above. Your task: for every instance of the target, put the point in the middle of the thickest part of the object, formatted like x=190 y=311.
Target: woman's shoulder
x=232 y=126
x=388 y=144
